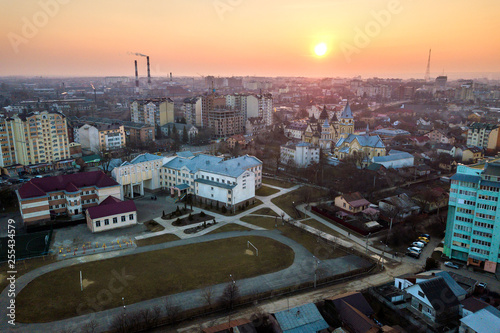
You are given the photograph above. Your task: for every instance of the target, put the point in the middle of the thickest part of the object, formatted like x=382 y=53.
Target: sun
x=320 y=49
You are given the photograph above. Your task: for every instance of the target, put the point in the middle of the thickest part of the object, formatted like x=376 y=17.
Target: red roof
x=38 y=187
x=111 y=206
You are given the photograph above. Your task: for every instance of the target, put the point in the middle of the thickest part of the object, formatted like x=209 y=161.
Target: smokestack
x=136 y=75
x=170 y=76
x=149 y=74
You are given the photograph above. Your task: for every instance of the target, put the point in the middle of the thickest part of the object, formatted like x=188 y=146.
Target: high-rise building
x=155 y=112
x=33 y=138
x=479 y=135
x=473 y=225
x=102 y=137
x=192 y=111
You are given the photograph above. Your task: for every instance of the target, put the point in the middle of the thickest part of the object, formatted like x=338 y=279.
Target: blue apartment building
x=473 y=223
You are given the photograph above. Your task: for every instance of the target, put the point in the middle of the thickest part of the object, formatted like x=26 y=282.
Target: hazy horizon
x=371 y=38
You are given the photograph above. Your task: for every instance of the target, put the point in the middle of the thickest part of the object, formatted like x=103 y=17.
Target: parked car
x=482 y=285
x=413 y=254
x=451 y=264
x=414 y=249
x=426 y=236
x=418 y=244
x=423 y=239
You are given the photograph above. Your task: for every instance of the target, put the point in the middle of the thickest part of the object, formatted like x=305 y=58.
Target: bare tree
x=119 y=324
x=171 y=310
x=90 y=327
x=229 y=295
x=146 y=317
x=208 y=293
x=155 y=315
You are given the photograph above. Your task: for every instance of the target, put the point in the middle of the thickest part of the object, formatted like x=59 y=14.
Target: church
x=325 y=132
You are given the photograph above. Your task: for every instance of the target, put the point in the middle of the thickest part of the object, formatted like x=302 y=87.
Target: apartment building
x=191 y=109
x=253 y=106
x=212 y=179
x=300 y=155
x=479 y=135
x=40 y=198
x=101 y=137
x=154 y=112
x=33 y=138
x=473 y=226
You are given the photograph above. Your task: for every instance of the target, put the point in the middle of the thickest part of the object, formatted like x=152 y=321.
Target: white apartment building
x=33 y=138
x=300 y=154
x=479 y=135
x=192 y=111
x=155 y=112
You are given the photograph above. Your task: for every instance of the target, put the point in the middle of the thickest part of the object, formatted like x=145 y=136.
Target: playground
x=27 y=245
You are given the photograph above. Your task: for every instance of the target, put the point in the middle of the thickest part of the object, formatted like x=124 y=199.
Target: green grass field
x=321 y=250
x=278 y=183
x=147 y=275
x=265 y=191
x=265 y=211
x=285 y=201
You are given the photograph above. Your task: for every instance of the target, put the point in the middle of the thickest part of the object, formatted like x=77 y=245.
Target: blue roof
x=145 y=158
x=346 y=113
x=466 y=178
x=393 y=157
x=232 y=167
x=182 y=186
x=489 y=183
x=454 y=286
x=364 y=140
x=483 y=321
x=185 y=154
x=305 y=318
x=217 y=184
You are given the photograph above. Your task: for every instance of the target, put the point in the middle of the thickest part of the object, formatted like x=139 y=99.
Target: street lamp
x=124 y=308
x=316 y=263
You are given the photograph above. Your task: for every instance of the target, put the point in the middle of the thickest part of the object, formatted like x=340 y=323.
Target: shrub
x=224 y=210
x=202 y=214
x=190 y=217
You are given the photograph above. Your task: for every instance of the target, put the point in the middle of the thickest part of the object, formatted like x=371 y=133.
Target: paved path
x=302 y=270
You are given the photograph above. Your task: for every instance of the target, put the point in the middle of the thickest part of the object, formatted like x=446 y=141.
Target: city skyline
x=243 y=38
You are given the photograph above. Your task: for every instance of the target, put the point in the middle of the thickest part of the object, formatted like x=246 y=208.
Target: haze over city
x=277 y=38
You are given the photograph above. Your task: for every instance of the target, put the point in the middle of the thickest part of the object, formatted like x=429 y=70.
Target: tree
x=105 y=159
x=207 y=293
x=171 y=310
x=175 y=133
x=90 y=327
x=185 y=136
x=229 y=295
x=431 y=264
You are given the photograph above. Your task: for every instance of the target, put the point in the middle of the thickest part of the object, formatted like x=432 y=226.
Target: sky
x=384 y=38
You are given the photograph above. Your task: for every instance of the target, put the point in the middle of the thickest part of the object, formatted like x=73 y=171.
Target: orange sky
x=249 y=37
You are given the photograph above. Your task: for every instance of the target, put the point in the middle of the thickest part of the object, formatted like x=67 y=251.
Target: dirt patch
x=249 y=252
x=86 y=283
x=153 y=226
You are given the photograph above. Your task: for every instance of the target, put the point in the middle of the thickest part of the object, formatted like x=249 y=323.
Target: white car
x=418 y=244
x=451 y=264
x=415 y=249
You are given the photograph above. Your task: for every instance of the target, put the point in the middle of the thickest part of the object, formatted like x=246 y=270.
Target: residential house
x=433 y=299
x=419 y=141
x=191 y=130
x=439 y=136
x=255 y=126
x=236 y=139
x=471 y=305
x=352 y=202
x=486 y=320
x=305 y=318
x=472 y=155
x=295 y=130
x=111 y=213
x=399 y=206
x=300 y=155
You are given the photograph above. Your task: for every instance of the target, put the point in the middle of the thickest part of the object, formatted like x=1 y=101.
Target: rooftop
x=305 y=318
x=364 y=140
x=111 y=206
x=482 y=321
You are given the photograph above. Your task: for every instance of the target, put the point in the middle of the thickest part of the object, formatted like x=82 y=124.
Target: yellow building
x=33 y=138
x=363 y=146
x=155 y=112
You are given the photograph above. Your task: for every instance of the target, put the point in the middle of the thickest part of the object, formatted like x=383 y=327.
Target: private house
x=486 y=320
x=471 y=305
x=419 y=141
x=472 y=155
x=433 y=299
x=236 y=139
x=111 y=213
x=254 y=126
x=439 y=136
x=305 y=318
x=352 y=202
x=41 y=198
x=443 y=148
x=295 y=130
x=353 y=311
x=168 y=128
x=399 y=206
x=143 y=172
x=432 y=199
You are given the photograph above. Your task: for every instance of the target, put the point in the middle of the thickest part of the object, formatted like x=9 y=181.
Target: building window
x=97 y=223
x=115 y=220
x=131 y=217
x=106 y=221
x=421 y=294
x=124 y=218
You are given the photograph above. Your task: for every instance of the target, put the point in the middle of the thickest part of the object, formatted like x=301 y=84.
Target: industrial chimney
x=149 y=73
x=170 y=76
x=136 y=76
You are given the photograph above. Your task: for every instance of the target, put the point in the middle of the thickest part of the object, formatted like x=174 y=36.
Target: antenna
x=428 y=71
